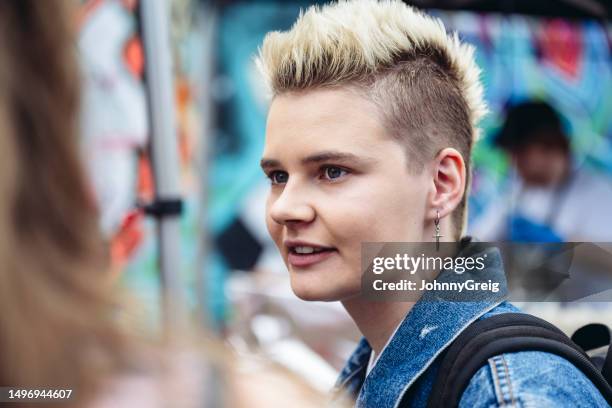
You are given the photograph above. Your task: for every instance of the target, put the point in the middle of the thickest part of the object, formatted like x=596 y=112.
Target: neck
x=377 y=320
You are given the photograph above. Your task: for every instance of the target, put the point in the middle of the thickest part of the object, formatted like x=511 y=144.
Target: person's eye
x=334 y=172
x=278 y=177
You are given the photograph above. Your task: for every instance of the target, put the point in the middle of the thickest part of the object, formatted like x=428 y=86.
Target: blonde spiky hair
x=348 y=40
x=424 y=81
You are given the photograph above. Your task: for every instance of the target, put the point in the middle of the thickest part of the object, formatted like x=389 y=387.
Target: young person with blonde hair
x=369 y=134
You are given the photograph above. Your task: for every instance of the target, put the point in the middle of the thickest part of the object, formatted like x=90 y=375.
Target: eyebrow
x=321 y=157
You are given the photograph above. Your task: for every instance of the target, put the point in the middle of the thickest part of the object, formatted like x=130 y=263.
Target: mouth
x=304 y=255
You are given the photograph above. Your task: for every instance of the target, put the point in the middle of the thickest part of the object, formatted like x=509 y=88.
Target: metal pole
x=164 y=149
x=207 y=25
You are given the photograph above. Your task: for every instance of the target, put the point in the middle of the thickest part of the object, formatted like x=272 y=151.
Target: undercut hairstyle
x=423 y=81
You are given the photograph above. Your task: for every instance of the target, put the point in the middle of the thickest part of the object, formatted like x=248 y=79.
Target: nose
x=292 y=207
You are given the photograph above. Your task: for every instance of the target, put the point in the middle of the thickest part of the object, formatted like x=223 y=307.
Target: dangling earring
x=437 y=225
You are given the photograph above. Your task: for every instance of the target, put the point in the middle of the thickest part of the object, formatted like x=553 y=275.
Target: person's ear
x=449 y=180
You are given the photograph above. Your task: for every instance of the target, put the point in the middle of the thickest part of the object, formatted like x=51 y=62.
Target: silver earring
x=437 y=225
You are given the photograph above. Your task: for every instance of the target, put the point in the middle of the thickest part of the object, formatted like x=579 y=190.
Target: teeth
x=304 y=250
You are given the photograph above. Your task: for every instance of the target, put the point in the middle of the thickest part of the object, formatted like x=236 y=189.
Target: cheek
x=393 y=218
x=274 y=229
x=559 y=162
x=380 y=211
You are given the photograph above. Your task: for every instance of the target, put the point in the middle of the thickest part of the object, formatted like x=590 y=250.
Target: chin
x=327 y=293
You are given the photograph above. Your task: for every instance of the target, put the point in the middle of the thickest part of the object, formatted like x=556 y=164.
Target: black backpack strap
x=606 y=370
x=593 y=336
x=499 y=334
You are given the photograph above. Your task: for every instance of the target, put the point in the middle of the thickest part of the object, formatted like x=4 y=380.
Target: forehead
x=337 y=119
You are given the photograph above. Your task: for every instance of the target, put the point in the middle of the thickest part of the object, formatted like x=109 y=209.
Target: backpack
x=511 y=333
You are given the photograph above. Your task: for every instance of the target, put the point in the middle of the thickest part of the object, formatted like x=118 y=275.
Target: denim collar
x=430 y=326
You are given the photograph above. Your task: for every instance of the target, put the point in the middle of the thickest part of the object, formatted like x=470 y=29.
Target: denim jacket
x=408 y=365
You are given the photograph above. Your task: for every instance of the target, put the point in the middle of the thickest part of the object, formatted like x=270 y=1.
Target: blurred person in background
x=369 y=134
x=60 y=325
x=549 y=198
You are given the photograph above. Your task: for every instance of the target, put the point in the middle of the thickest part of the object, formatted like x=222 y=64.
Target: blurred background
x=538 y=177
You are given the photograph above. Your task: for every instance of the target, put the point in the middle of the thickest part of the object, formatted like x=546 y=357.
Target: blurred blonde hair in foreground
x=59 y=326
x=55 y=312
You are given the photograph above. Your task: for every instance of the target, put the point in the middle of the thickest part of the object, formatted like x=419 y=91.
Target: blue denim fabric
x=408 y=366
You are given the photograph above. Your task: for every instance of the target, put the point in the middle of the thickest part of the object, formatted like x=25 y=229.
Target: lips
x=304 y=260
x=303 y=254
